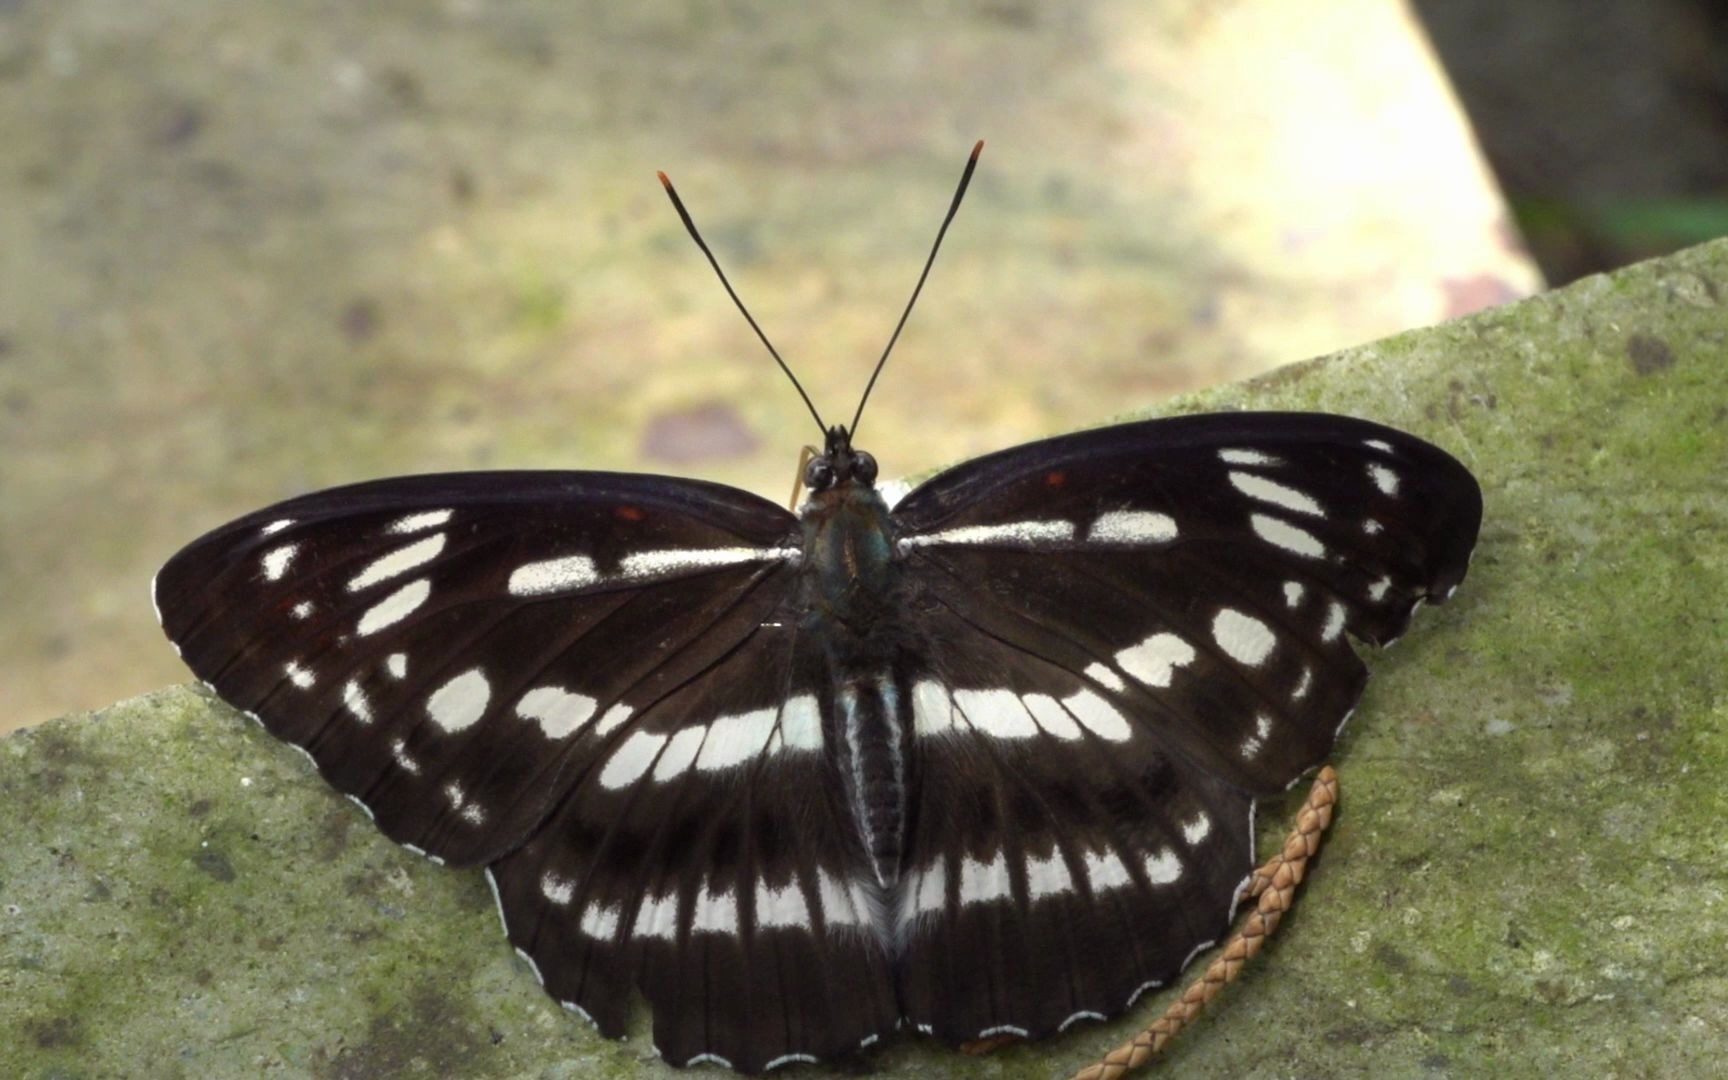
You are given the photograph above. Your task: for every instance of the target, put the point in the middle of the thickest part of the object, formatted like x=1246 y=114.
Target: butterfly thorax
x=851 y=581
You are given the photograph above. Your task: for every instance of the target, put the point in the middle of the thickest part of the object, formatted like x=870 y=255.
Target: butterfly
x=979 y=762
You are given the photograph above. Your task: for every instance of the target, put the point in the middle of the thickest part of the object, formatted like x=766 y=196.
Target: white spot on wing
x=649 y=564
x=298 y=675
x=599 y=923
x=1150 y=984
x=1132 y=527
x=1282 y=534
x=1258 y=487
x=459 y=703
x=276 y=561
x=612 y=718
x=839 y=907
x=398 y=562
x=735 y=739
x=1047 y=877
x=1012 y=534
x=1246 y=639
x=932 y=888
x=553 y=576
x=1198 y=829
x=1002 y=1029
x=532 y=966
x=399 y=751
x=657 y=917
x=397 y=665
x=1377 y=591
x=1105 y=870
x=708 y=1058
x=303 y=609
x=1384 y=479
x=631 y=759
x=1378 y=444
x=1000 y=713
x=1153 y=660
x=1197 y=950
x=414 y=523
x=1099 y=673
x=1083 y=1014
x=716 y=913
x=395 y=607
x=355 y=699
x=1163 y=867
x=787 y=1059
x=1247 y=457
x=1098 y=716
x=497 y=902
x=781 y=907
x=1334 y=622
x=1303 y=684
x=932 y=711
x=801 y=724
x=1253 y=743
x=981 y=881
x=275 y=527
x=556 y=889
x=680 y=753
x=1293 y=591
x=559 y=712
x=1371 y=527
x=1051 y=716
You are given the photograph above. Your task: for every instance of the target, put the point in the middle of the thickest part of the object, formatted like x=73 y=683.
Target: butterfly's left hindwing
x=455 y=652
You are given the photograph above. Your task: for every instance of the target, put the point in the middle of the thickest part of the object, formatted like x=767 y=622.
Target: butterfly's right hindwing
x=714 y=868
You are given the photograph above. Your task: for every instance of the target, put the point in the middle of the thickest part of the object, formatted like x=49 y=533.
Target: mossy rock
x=1526 y=877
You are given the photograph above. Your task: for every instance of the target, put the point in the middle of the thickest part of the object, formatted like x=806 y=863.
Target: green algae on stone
x=1526 y=874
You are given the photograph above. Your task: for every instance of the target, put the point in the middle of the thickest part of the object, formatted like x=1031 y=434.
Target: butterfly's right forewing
x=456 y=652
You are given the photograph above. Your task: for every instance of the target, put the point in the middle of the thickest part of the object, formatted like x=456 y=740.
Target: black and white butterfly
x=982 y=762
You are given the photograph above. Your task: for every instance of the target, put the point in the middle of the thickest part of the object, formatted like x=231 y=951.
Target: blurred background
x=247 y=251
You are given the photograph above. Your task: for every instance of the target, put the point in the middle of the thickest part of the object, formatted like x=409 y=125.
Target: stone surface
x=1526 y=878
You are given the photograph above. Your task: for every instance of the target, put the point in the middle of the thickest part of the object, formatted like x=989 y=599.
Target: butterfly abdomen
x=871 y=757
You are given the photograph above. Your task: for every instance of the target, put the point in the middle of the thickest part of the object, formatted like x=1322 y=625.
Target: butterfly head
x=839 y=465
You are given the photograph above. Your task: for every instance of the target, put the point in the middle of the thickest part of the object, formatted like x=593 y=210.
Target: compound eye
x=864 y=467
x=818 y=475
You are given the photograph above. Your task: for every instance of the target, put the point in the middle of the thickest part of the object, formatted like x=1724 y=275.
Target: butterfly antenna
x=953 y=208
x=684 y=215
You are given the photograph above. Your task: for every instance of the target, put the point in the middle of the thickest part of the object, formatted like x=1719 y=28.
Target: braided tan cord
x=1275 y=885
